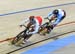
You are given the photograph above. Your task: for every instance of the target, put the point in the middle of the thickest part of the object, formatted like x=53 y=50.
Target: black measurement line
x=39 y=42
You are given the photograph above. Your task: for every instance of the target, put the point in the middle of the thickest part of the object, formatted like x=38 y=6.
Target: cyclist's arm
x=24 y=21
x=35 y=29
x=58 y=20
x=49 y=16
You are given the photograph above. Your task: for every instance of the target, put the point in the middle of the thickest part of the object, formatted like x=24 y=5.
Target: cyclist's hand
x=28 y=33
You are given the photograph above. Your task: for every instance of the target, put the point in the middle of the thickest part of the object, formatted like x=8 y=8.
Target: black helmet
x=55 y=11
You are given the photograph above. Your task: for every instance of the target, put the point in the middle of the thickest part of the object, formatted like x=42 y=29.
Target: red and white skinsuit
x=37 y=22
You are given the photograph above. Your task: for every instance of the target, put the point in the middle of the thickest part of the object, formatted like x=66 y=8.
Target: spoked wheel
x=45 y=29
x=18 y=39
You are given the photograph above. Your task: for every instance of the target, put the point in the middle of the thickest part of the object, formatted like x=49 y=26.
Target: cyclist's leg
x=44 y=31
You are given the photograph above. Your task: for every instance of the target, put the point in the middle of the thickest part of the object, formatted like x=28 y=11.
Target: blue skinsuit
x=59 y=16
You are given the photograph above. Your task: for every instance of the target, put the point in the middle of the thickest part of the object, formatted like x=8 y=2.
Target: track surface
x=9 y=22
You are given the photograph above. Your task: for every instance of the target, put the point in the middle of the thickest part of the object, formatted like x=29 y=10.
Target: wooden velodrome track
x=11 y=15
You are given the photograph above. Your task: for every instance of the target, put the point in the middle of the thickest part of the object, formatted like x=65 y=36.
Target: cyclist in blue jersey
x=56 y=16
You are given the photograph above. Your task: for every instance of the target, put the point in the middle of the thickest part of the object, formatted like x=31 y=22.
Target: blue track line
x=36 y=9
x=52 y=46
